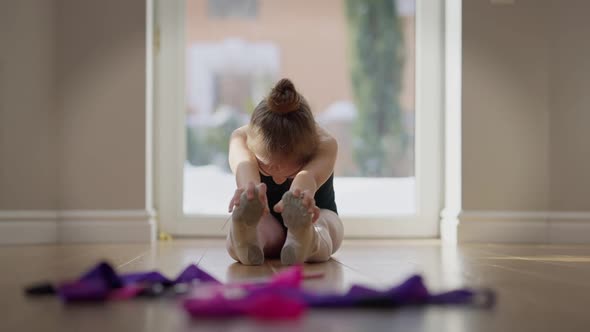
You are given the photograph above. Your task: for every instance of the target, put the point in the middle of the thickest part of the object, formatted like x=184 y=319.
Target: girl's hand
x=250 y=192
x=306 y=199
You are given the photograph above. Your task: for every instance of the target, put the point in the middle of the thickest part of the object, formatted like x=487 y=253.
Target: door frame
x=170 y=142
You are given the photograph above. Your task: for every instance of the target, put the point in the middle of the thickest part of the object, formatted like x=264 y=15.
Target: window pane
x=352 y=59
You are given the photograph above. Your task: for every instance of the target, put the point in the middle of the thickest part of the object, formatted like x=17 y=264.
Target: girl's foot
x=245 y=218
x=302 y=239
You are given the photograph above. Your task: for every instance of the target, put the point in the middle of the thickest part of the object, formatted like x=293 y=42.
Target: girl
x=283 y=163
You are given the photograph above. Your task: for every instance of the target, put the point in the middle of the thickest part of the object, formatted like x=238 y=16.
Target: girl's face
x=279 y=169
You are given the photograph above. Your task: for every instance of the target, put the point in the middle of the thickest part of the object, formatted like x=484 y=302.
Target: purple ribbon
x=280 y=300
x=410 y=292
x=282 y=297
x=102 y=282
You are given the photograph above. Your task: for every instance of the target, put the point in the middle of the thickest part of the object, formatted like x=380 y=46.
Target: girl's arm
x=241 y=160
x=319 y=169
x=313 y=175
x=245 y=167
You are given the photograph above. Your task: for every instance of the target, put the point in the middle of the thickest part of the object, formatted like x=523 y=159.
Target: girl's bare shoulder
x=241 y=131
x=328 y=144
x=325 y=136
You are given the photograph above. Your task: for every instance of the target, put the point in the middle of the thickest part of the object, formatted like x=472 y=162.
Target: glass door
x=369 y=70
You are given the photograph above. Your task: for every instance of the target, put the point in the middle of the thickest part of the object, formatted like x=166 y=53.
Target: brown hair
x=283 y=126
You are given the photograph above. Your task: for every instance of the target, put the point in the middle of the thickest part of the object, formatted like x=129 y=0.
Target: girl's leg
x=308 y=242
x=330 y=231
x=242 y=240
x=269 y=235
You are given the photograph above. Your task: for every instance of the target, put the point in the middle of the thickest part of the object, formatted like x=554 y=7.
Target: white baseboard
x=517 y=227
x=77 y=226
x=126 y=226
x=502 y=232
x=105 y=215
x=569 y=231
x=28 y=227
x=28 y=215
x=354 y=227
x=28 y=232
x=106 y=231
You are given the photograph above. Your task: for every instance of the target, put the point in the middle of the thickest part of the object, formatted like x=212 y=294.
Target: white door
x=217 y=59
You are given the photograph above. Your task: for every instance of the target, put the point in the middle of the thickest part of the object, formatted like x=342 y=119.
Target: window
x=356 y=63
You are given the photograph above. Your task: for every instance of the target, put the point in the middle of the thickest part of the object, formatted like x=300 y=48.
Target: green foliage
x=210 y=145
x=197 y=149
x=376 y=46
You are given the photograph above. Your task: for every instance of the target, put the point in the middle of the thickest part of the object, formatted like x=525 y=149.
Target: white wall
x=505 y=106
x=524 y=118
x=570 y=106
x=73 y=121
x=101 y=100
x=28 y=118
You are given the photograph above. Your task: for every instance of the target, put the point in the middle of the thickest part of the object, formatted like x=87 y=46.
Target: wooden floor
x=540 y=288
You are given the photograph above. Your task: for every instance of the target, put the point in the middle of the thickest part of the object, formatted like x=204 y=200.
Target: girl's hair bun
x=284 y=98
